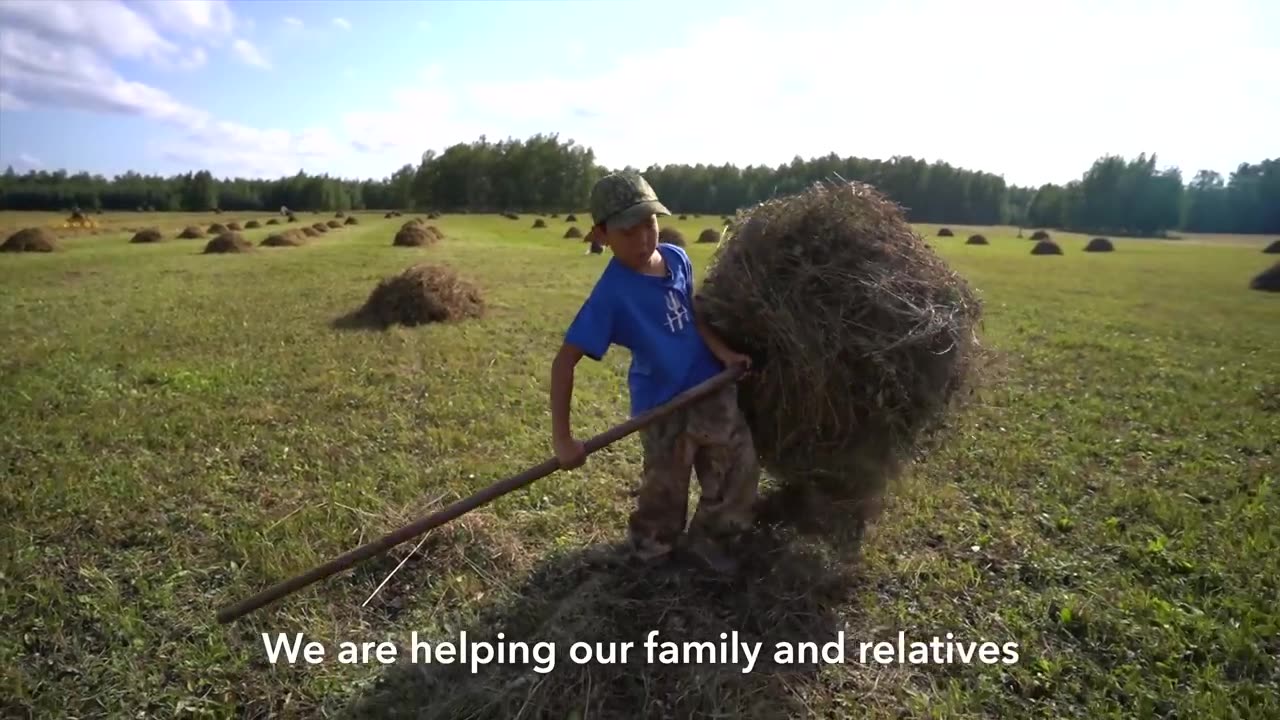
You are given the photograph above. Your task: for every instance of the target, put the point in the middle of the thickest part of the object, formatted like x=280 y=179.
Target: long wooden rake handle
x=466 y=505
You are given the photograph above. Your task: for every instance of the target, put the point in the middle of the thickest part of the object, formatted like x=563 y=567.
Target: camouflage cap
x=623 y=199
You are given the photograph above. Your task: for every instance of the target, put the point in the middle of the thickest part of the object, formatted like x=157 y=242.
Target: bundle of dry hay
x=320 y=228
x=252 y=225
x=572 y=233
x=1046 y=247
x=433 y=215
x=234 y=226
x=334 y=224
x=671 y=236
x=416 y=234
x=273 y=221
x=1099 y=245
x=228 y=242
x=862 y=338
x=684 y=217
x=1040 y=235
x=147 y=235
x=710 y=235
x=288 y=238
x=571 y=218
x=388 y=216
x=351 y=221
x=293 y=218
x=421 y=294
x=309 y=232
x=510 y=216
x=190 y=232
x=1273 y=248
x=554 y=216
x=217 y=229
x=945 y=232
x=31 y=240
x=339 y=214
x=1268 y=280
x=539 y=223
x=977 y=240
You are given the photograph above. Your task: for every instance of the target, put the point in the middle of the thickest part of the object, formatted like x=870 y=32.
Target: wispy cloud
x=293 y=22
x=30 y=160
x=341 y=23
x=249 y=54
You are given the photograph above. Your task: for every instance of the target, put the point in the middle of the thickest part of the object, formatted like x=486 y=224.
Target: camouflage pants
x=712 y=437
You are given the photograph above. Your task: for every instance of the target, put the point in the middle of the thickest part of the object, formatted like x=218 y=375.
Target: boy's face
x=636 y=244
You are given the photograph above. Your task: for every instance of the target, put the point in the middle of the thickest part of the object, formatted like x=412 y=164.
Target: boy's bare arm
x=570 y=452
x=716 y=344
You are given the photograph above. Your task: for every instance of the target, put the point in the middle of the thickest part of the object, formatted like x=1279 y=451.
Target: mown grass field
x=181 y=430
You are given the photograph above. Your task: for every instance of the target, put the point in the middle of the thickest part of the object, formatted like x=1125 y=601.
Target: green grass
x=181 y=430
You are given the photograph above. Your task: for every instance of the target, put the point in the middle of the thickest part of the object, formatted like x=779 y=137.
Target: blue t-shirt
x=653 y=318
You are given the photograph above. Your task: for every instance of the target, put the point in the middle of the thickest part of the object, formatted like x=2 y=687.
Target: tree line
x=545 y=174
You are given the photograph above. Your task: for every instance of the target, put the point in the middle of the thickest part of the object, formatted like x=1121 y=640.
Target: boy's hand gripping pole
x=466 y=505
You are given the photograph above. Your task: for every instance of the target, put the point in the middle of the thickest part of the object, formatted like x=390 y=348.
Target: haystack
x=273 y=221
x=320 y=227
x=288 y=238
x=309 y=231
x=571 y=218
x=977 y=240
x=228 y=242
x=334 y=224
x=234 y=226
x=572 y=233
x=945 y=232
x=510 y=216
x=1046 y=247
x=596 y=248
x=539 y=223
x=293 y=218
x=433 y=215
x=414 y=235
x=191 y=232
x=252 y=225
x=1099 y=245
x=684 y=217
x=671 y=236
x=388 y=216
x=351 y=220
x=862 y=338
x=1268 y=280
x=339 y=214
x=421 y=294
x=217 y=229
x=1273 y=248
x=148 y=235
x=710 y=235
x=31 y=240
x=1039 y=235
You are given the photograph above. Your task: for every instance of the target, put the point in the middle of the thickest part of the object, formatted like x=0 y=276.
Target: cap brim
x=634 y=214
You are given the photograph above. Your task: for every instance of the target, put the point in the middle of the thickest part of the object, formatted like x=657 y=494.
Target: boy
x=644 y=301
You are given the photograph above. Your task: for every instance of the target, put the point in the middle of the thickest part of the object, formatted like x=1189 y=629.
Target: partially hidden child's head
x=624 y=216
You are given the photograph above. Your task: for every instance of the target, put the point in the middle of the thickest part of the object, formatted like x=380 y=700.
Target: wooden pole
x=466 y=505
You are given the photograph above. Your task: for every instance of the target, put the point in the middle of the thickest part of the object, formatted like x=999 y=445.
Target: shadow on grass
x=358 y=320
x=790 y=589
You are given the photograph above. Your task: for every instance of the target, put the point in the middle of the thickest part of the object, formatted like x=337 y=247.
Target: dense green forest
x=543 y=173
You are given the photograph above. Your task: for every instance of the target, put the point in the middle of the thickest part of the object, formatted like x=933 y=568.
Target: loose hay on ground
x=228 y=242
x=191 y=232
x=149 y=235
x=862 y=338
x=421 y=294
x=1099 y=244
x=1046 y=247
x=31 y=240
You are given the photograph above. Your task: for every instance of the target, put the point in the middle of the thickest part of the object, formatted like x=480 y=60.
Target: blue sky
x=1027 y=90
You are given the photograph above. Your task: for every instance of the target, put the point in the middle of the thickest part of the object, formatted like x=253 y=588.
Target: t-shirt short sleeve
x=592 y=329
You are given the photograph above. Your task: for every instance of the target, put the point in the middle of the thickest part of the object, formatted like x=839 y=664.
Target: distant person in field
x=644 y=301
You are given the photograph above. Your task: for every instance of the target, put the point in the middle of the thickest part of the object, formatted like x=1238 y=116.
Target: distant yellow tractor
x=78 y=219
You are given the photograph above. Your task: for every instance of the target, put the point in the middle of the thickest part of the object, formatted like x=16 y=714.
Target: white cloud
x=293 y=22
x=341 y=23
x=193 y=18
x=30 y=160
x=249 y=54
x=107 y=26
x=9 y=101
x=37 y=73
